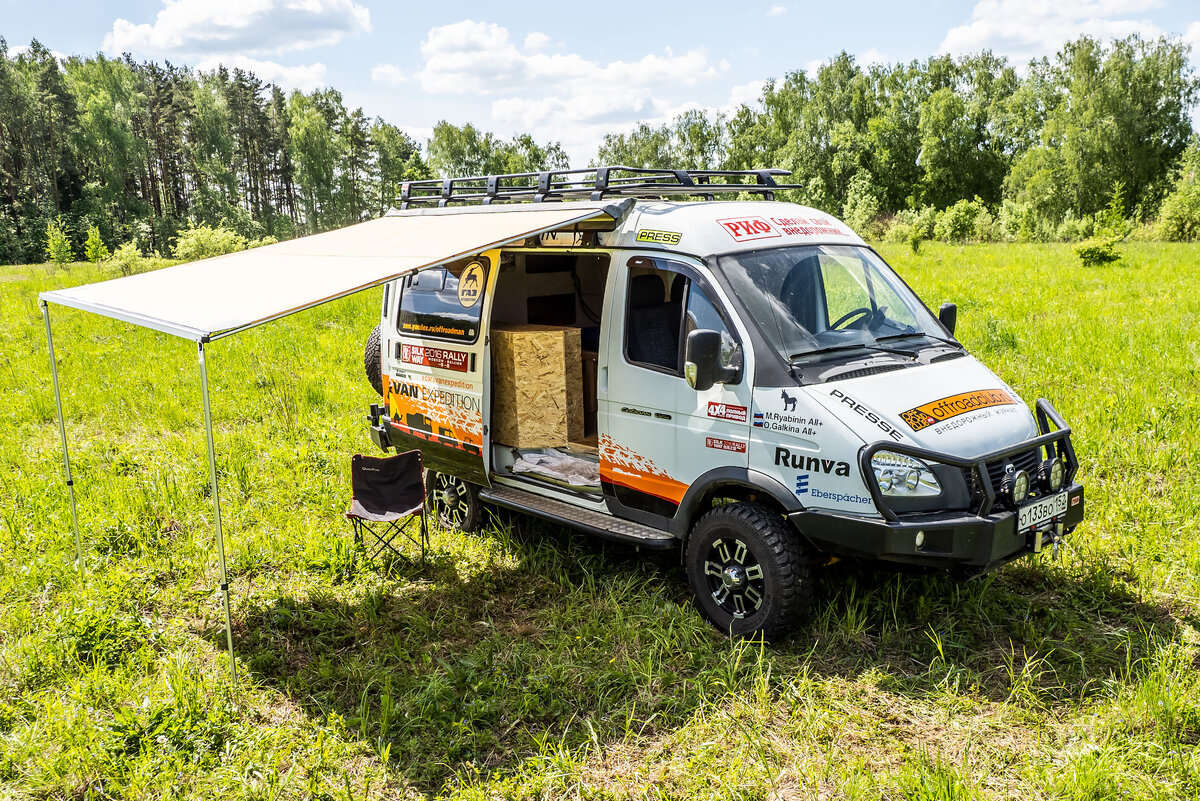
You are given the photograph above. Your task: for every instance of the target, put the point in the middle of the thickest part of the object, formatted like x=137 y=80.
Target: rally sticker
x=934 y=412
x=746 y=229
x=442 y=358
x=718 y=444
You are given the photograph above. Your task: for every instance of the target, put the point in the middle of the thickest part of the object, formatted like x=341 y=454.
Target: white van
x=745 y=380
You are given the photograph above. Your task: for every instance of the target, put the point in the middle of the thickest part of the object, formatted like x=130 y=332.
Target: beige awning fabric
x=213 y=298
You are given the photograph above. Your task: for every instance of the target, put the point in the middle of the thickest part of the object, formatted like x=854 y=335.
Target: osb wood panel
x=537 y=386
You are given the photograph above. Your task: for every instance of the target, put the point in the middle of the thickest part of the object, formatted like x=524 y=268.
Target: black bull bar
x=1045 y=413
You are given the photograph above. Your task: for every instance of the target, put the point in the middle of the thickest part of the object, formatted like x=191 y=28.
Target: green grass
x=527 y=661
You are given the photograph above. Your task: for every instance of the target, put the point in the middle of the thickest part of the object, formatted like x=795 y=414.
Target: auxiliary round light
x=1053 y=473
x=912 y=479
x=1020 y=486
x=886 y=479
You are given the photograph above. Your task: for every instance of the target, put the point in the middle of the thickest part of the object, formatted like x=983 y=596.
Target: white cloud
x=389 y=74
x=536 y=41
x=744 y=94
x=471 y=57
x=1192 y=37
x=560 y=96
x=775 y=11
x=13 y=52
x=1022 y=30
x=870 y=57
x=203 y=28
x=305 y=77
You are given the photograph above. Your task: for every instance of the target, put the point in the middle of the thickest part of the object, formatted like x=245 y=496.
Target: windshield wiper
x=918 y=334
x=855 y=346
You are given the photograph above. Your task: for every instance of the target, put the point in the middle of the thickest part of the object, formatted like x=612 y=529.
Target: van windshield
x=817 y=298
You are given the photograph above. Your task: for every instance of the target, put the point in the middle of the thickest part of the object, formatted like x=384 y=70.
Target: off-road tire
x=786 y=571
x=373 y=361
x=463 y=512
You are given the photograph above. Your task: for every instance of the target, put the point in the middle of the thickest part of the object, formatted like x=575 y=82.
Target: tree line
x=141 y=151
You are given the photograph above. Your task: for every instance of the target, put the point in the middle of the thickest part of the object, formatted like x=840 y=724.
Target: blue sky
x=564 y=71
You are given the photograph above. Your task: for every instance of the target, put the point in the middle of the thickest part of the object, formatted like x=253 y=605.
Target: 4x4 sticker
x=934 y=412
x=727 y=411
x=662 y=237
x=745 y=229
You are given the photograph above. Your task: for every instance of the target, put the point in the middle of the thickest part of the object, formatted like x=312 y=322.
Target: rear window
x=444 y=302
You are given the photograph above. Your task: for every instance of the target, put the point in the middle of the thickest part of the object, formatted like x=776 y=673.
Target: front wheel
x=455 y=501
x=749 y=572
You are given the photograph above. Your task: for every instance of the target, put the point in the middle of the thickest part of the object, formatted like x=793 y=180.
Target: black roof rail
x=593 y=183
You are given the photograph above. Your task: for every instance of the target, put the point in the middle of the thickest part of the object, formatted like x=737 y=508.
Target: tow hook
x=1058 y=535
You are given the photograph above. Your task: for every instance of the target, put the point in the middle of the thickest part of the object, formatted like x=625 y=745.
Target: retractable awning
x=209 y=299
x=213 y=298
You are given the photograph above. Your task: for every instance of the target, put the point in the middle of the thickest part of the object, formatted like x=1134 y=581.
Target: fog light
x=1051 y=474
x=920 y=538
x=1020 y=486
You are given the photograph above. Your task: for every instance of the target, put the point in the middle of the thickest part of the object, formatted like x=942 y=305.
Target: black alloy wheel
x=455 y=501
x=749 y=571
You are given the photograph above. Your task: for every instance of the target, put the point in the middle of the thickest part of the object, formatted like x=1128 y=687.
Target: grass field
x=528 y=661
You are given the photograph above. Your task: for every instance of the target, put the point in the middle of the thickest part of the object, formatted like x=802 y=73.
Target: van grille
x=1029 y=461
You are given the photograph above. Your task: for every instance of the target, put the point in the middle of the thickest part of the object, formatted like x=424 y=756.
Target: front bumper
x=966 y=543
x=977 y=536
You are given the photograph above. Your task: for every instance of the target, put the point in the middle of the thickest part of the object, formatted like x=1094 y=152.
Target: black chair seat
x=387 y=493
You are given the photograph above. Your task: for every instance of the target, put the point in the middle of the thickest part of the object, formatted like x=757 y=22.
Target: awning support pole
x=62 y=433
x=212 y=474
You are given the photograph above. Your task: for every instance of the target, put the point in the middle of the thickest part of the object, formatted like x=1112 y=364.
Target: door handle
x=604 y=380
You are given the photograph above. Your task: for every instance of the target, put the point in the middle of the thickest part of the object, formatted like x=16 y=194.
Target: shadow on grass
x=572 y=641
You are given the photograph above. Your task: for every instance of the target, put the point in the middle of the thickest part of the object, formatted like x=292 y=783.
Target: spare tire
x=373 y=361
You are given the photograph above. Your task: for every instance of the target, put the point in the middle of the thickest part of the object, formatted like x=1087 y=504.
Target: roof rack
x=595 y=183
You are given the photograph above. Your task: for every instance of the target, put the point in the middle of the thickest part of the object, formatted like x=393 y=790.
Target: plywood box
x=537 y=386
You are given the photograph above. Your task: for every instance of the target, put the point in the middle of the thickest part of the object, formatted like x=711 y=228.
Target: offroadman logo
x=936 y=411
x=746 y=229
x=727 y=411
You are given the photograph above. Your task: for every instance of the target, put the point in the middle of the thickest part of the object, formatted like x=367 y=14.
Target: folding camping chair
x=387 y=493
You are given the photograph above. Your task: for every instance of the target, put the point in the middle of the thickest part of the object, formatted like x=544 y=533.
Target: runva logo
x=813 y=464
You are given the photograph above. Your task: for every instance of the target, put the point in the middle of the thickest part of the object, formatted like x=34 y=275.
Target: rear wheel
x=455 y=501
x=749 y=572
x=373 y=360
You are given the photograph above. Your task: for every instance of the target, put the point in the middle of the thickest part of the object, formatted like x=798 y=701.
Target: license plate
x=1034 y=514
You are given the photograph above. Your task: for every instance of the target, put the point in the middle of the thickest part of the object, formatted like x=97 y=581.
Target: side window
x=663 y=306
x=653 y=312
x=702 y=314
x=444 y=302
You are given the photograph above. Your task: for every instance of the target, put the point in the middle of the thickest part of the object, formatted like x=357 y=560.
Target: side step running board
x=601 y=525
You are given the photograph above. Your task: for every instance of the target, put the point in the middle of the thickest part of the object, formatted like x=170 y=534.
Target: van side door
x=435 y=365
x=657 y=433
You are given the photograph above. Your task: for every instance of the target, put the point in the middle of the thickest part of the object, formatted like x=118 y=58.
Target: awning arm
x=62 y=433
x=212 y=474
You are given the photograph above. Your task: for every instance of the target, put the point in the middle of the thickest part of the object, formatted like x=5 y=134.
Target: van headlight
x=901 y=476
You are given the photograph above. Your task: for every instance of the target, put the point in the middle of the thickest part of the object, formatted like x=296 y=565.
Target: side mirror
x=702 y=361
x=948 y=316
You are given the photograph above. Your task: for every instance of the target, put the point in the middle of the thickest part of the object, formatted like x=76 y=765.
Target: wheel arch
x=730 y=482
